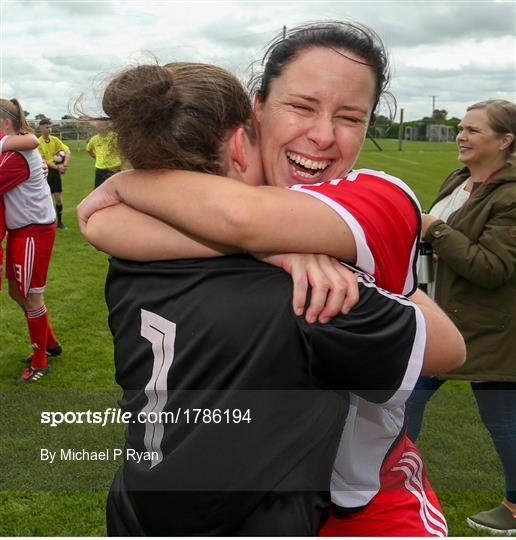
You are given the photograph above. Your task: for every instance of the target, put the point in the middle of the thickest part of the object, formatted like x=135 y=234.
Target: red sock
x=38 y=328
x=51 y=337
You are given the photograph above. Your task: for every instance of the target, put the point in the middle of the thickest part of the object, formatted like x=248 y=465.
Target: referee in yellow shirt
x=104 y=148
x=57 y=155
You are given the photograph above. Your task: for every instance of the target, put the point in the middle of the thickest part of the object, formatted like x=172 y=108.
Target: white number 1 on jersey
x=162 y=335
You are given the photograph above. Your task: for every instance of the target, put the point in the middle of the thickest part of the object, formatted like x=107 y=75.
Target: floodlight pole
x=400 y=132
x=433 y=106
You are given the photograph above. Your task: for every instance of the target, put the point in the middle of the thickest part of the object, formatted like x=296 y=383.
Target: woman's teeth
x=310 y=164
x=307 y=174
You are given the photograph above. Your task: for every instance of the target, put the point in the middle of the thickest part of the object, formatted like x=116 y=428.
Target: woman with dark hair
x=472 y=228
x=329 y=127
x=319 y=91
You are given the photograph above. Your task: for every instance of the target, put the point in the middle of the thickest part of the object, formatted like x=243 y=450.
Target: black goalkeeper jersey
x=251 y=400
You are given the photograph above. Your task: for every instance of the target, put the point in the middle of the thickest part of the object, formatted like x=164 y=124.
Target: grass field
x=43 y=499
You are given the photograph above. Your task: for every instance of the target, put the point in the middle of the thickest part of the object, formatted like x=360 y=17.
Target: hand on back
x=334 y=288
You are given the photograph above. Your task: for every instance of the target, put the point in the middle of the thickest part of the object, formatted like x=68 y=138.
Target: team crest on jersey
x=352 y=176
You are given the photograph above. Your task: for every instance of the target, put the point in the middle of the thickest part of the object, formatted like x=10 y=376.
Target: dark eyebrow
x=307 y=98
x=311 y=99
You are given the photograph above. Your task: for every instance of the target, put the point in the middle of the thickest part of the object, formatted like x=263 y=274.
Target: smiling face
x=314 y=120
x=478 y=143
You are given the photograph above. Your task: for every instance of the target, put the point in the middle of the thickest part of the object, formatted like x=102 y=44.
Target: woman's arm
x=487 y=262
x=15 y=143
x=224 y=211
x=126 y=233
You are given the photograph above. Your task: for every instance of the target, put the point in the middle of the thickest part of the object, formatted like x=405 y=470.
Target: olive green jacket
x=476 y=275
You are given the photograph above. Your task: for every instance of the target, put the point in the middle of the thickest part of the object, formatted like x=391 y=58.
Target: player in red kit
x=30 y=221
x=12 y=143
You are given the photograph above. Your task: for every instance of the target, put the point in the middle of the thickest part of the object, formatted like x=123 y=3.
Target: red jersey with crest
x=371 y=203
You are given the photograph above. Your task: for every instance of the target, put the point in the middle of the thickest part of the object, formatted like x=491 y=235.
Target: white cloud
x=469 y=53
x=460 y=51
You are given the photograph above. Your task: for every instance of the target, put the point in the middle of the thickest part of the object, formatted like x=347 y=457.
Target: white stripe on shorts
x=413 y=470
x=28 y=263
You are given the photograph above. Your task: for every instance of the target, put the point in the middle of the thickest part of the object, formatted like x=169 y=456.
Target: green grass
x=422 y=165
x=39 y=499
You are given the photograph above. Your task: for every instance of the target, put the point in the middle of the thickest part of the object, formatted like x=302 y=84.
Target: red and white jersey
x=369 y=433
x=384 y=216
x=26 y=193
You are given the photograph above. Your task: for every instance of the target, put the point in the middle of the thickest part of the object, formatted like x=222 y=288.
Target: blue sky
x=460 y=52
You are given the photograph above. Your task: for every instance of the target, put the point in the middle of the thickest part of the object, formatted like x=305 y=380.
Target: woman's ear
x=258 y=108
x=5 y=124
x=237 y=146
x=506 y=141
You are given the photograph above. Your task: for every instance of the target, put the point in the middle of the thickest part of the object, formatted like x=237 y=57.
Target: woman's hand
x=426 y=221
x=334 y=287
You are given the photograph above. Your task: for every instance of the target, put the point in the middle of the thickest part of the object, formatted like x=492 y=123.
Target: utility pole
x=284 y=32
x=433 y=105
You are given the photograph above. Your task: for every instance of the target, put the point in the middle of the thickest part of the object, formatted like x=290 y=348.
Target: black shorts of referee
x=101 y=175
x=54 y=181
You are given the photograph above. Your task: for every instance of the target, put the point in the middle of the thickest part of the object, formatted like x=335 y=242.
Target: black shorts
x=121 y=519
x=101 y=175
x=54 y=181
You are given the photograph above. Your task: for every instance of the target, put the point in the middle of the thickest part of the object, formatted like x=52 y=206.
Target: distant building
x=411 y=133
x=440 y=133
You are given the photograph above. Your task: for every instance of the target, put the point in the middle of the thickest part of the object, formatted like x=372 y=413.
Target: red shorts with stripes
x=406 y=504
x=28 y=257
